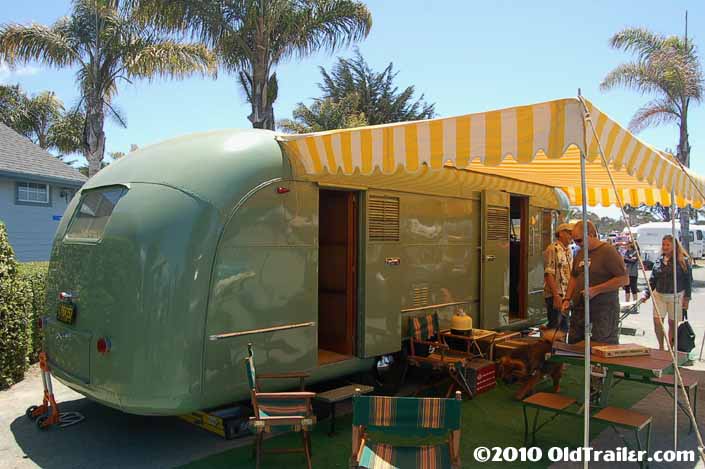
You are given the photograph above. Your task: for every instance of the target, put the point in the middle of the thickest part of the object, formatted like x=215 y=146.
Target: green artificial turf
x=491 y=419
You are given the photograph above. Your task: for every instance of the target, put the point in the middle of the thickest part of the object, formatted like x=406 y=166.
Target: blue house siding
x=31 y=228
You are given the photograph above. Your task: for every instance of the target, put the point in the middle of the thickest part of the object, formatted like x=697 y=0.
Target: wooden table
x=470 y=340
x=336 y=395
x=641 y=368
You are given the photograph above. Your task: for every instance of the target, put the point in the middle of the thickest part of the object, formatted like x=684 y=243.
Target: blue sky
x=465 y=56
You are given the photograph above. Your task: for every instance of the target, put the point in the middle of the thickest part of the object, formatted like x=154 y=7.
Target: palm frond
x=245 y=80
x=639 y=40
x=204 y=20
x=170 y=59
x=679 y=73
x=323 y=25
x=233 y=50
x=116 y=114
x=19 y=43
x=637 y=76
x=66 y=134
x=654 y=114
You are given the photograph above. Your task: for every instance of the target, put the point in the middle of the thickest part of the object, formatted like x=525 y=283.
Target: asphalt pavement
x=644 y=324
x=109 y=438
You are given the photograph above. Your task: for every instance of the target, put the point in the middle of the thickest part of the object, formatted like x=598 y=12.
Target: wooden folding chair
x=406 y=417
x=427 y=351
x=279 y=411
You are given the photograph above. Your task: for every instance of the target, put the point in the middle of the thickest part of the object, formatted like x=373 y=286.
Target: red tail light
x=282 y=190
x=103 y=345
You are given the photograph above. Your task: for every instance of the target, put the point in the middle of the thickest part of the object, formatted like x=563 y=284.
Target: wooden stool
x=334 y=396
x=631 y=420
x=552 y=402
x=690 y=384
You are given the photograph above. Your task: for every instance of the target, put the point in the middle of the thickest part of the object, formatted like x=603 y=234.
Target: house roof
x=19 y=157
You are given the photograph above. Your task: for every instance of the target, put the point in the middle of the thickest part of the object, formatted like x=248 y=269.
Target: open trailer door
x=494 y=285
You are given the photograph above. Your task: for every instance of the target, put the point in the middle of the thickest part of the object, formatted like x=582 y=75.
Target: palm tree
x=42 y=111
x=66 y=133
x=42 y=119
x=667 y=67
x=12 y=106
x=251 y=37
x=105 y=43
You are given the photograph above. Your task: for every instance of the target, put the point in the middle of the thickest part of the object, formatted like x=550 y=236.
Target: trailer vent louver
x=497 y=224
x=420 y=297
x=383 y=218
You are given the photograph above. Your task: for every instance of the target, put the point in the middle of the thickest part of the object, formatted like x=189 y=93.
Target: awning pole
x=586 y=292
x=678 y=377
x=673 y=329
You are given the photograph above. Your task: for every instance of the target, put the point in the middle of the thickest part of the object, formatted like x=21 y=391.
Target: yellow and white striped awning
x=539 y=143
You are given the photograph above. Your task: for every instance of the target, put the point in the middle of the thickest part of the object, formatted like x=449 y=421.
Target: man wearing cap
x=557 y=262
x=608 y=275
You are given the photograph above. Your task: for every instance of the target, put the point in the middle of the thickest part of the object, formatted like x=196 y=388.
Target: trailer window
x=93 y=213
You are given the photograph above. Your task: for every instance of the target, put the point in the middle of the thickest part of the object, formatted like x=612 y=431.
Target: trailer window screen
x=93 y=213
x=383 y=218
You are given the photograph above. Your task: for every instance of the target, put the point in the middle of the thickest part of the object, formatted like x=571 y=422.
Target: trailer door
x=381 y=318
x=494 y=295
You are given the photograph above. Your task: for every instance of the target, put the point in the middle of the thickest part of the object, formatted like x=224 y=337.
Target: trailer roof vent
x=497 y=224
x=383 y=218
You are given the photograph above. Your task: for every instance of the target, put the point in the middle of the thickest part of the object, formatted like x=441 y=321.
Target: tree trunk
x=684 y=157
x=262 y=116
x=94 y=137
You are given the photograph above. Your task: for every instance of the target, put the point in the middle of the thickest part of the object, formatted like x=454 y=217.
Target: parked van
x=697 y=246
x=650 y=235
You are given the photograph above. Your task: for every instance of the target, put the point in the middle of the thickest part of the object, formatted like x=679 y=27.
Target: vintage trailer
x=168 y=262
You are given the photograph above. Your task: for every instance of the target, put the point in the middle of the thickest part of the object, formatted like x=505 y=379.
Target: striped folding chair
x=437 y=419
x=427 y=351
x=279 y=411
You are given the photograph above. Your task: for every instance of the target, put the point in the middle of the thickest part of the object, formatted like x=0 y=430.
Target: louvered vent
x=383 y=218
x=497 y=224
x=420 y=297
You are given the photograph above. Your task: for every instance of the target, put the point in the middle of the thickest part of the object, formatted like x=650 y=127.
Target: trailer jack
x=48 y=414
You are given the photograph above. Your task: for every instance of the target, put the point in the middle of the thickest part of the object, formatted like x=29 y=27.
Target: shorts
x=664 y=303
x=632 y=287
x=605 y=325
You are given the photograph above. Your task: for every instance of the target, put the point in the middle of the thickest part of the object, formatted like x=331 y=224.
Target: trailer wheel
x=40 y=422
x=30 y=410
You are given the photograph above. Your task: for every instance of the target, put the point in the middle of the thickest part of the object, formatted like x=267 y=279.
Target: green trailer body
x=215 y=243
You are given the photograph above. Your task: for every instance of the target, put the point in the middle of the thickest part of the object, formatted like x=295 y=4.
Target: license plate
x=66 y=313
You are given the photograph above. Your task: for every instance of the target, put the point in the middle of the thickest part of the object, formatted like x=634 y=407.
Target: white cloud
x=8 y=74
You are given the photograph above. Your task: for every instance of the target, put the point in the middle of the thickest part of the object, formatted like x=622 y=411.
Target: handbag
x=686 y=335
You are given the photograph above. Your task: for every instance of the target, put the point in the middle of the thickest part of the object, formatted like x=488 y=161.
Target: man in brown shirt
x=607 y=275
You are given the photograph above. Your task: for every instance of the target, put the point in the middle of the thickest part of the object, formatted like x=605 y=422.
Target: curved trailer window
x=93 y=213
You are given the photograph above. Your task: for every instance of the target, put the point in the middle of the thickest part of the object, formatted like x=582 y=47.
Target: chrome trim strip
x=228 y=335
x=440 y=305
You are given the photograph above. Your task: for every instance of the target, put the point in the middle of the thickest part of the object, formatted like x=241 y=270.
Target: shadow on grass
x=491 y=419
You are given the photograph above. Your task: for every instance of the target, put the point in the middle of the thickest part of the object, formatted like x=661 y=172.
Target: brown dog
x=525 y=359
